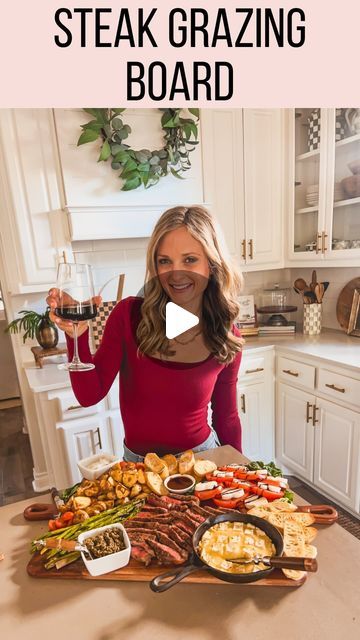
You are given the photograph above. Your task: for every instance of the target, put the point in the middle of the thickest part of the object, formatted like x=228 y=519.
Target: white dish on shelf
x=94 y=466
x=111 y=562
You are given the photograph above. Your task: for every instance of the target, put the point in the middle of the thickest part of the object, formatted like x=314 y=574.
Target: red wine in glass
x=75 y=304
x=77 y=312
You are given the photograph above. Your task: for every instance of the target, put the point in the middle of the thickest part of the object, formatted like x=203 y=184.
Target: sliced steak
x=185 y=497
x=142 y=555
x=165 y=554
x=182 y=539
x=164 y=501
x=180 y=524
x=202 y=511
x=150 y=509
x=169 y=542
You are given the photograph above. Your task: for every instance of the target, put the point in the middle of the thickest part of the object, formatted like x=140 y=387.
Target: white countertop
x=332 y=347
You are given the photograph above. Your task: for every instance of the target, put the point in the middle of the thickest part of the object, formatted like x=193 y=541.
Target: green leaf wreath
x=143 y=167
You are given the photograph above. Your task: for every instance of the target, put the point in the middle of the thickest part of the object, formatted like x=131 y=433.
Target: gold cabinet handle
x=291 y=373
x=73 y=407
x=323 y=242
x=254 y=370
x=335 y=388
x=251 y=249
x=318 y=237
x=243 y=249
x=243 y=403
x=314 y=419
x=98 y=443
x=308 y=416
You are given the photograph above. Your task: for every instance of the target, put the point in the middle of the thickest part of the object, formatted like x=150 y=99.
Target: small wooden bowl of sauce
x=179 y=483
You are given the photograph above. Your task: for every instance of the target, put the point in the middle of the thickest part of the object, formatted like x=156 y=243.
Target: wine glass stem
x=76 y=359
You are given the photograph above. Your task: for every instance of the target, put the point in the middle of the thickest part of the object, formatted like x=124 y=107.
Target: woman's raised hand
x=53 y=301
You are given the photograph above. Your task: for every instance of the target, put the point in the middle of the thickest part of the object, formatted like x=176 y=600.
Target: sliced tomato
x=52 y=526
x=208 y=495
x=210 y=477
x=67 y=517
x=227 y=504
x=270 y=495
x=242 y=475
x=255 y=489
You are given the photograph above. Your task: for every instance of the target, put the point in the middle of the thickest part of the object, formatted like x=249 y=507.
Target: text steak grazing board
x=161 y=525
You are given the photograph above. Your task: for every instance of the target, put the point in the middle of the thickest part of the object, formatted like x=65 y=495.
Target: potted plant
x=35 y=325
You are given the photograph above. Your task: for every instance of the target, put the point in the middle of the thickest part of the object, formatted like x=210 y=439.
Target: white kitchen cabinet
x=294 y=431
x=33 y=231
x=82 y=438
x=256 y=406
x=318 y=439
x=243 y=181
x=336 y=453
x=323 y=198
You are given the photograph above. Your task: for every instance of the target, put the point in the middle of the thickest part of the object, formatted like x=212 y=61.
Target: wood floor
x=16 y=471
x=16 y=465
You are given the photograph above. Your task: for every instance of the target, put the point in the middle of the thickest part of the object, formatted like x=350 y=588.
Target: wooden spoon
x=313 y=282
x=319 y=292
x=300 y=284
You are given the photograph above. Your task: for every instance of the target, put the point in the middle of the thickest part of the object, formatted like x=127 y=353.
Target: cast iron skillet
x=174 y=576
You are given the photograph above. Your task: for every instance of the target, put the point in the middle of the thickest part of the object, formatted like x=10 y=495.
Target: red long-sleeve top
x=164 y=404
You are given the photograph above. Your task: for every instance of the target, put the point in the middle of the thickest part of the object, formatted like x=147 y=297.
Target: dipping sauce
x=179 y=483
x=227 y=540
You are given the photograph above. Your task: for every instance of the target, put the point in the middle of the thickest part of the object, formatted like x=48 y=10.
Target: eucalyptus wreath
x=143 y=167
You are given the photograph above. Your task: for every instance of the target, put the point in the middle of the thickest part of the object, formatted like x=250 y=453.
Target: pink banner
x=155 y=53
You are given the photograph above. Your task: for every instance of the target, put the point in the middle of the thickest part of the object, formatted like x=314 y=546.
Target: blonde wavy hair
x=220 y=299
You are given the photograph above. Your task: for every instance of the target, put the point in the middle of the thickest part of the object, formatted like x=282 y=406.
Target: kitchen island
x=325 y=607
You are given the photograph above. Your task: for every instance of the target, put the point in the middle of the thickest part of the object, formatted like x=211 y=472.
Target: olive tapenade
x=105 y=543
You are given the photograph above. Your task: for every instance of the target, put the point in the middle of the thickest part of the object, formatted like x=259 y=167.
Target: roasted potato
x=81 y=502
x=135 y=490
x=141 y=476
x=80 y=516
x=116 y=474
x=121 y=491
x=130 y=478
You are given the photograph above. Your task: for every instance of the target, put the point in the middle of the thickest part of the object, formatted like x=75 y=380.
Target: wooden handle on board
x=302 y=564
x=40 y=511
x=323 y=513
x=60 y=543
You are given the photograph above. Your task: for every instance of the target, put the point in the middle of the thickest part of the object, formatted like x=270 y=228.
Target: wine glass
x=76 y=292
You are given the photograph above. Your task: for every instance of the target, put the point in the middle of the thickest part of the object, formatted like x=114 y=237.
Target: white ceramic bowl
x=180 y=475
x=92 y=474
x=98 y=566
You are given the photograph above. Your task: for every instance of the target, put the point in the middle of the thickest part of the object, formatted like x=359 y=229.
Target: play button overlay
x=178 y=320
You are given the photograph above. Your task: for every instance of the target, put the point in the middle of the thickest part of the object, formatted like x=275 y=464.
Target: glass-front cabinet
x=324 y=184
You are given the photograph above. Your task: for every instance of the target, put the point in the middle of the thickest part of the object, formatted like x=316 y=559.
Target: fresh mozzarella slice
x=229 y=494
x=206 y=486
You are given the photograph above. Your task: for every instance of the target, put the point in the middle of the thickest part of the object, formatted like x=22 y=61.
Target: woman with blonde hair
x=166 y=385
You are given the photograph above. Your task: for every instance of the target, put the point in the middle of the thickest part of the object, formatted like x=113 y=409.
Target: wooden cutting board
x=343 y=306
x=137 y=572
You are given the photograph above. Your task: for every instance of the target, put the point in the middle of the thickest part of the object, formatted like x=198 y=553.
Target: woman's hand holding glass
x=54 y=301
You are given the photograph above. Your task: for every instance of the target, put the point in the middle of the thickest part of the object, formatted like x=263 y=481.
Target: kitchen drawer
x=69 y=407
x=297 y=372
x=339 y=387
x=252 y=368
